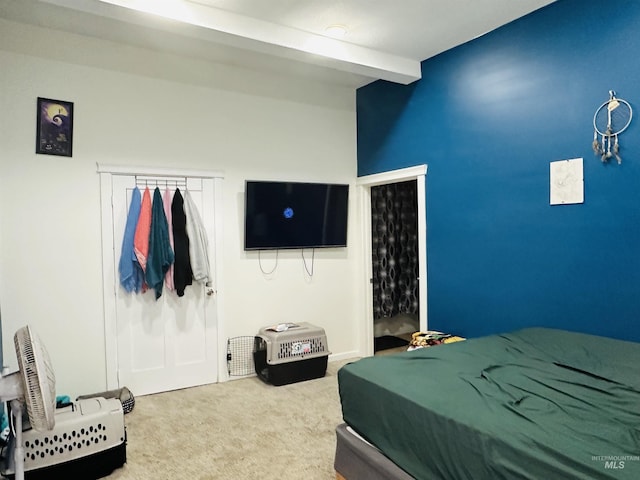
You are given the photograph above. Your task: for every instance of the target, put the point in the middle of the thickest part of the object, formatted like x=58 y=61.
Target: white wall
x=146 y=108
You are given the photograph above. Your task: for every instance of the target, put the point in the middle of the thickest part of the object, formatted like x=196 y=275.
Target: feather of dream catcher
x=610 y=120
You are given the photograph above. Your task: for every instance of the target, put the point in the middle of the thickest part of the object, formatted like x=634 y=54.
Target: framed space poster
x=54 y=127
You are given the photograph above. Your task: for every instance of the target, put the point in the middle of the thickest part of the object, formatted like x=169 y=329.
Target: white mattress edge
x=358 y=436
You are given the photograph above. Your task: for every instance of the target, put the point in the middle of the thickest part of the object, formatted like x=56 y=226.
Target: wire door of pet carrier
x=240 y=356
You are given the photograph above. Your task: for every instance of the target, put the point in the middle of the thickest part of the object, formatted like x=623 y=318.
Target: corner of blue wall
x=488 y=117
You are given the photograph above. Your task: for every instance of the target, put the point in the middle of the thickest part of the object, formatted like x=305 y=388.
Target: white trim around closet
x=106 y=173
x=157 y=171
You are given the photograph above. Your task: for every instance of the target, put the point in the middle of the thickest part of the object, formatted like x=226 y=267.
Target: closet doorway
x=394 y=232
x=173 y=342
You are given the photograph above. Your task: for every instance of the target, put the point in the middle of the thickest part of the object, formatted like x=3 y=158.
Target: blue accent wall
x=487 y=118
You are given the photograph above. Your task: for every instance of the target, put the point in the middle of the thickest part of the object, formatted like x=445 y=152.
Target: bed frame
x=357 y=459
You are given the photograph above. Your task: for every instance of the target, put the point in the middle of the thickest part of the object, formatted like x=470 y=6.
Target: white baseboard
x=345 y=356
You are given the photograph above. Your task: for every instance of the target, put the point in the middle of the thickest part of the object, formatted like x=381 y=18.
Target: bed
x=536 y=403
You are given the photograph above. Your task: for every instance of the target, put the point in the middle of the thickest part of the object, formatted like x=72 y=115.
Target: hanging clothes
x=182 y=273
x=166 y=202
x=141 y=238
x=131 y=275
x=160 y=252
x=198 y=242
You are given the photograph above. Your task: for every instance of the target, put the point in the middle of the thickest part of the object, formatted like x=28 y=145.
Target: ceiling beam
x=217 y=26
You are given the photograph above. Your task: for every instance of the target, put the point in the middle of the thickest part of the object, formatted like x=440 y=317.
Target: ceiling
x=385 y=39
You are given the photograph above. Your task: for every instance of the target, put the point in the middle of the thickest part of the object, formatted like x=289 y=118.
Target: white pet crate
x=288 y=353
x=88 y=442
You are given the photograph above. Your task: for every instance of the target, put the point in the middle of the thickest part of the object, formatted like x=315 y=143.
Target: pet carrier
x=88 y=442
x=288 y=353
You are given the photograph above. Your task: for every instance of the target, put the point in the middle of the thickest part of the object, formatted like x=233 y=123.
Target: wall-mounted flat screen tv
x=295 y=215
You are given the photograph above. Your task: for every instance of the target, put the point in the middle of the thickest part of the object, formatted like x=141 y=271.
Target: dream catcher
x=610 y=120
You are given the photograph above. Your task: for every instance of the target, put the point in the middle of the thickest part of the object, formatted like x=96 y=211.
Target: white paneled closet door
x=168 y=343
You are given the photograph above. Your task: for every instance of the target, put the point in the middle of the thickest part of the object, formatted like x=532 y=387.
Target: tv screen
x=295 y=215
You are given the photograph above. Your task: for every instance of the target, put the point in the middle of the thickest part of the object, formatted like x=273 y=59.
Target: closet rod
x=154 y=181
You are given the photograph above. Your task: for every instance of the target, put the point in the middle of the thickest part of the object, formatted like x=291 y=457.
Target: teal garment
x=160 y=255
x=533 y=404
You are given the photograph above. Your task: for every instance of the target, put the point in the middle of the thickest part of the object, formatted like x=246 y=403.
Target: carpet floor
x=236 y=430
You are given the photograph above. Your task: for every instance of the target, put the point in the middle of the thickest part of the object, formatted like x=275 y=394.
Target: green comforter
x=533 y=404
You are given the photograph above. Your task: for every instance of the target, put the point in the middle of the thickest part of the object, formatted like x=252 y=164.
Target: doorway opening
x=396 y=301
x=394 y=260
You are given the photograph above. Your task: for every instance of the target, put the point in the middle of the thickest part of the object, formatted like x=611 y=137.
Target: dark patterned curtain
x=394 y=232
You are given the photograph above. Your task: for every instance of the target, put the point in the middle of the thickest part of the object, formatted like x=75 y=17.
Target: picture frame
x=566 y=182
x=54 y=127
